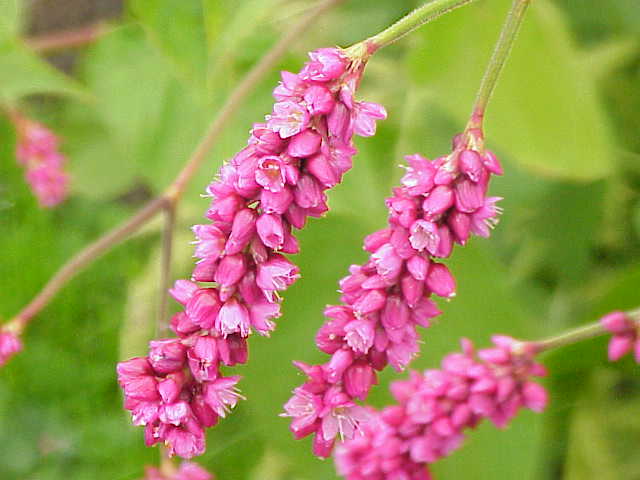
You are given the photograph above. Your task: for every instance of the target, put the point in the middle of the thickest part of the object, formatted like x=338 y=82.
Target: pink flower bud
x=358 y=380
x=469 y=195
x=203 y=307
x=243 y=228
x=270 y=230
x=166 y=356
x=231 y=269
x=304 y=144
x=439 y=201
x=270 y=173
x=470 y=164
x=492 y=163
x=319 y=100
x=183 y=290
x=321 y=168
x=339 y=362
x=276 y=202
x=440 y=281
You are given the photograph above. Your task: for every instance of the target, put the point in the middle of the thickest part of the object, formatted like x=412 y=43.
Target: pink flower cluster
x=10 y=344
x=625 y=337
x=37 y=151
x=440 y=202
x=186 y=471
x=437 y=406
x=270 y=187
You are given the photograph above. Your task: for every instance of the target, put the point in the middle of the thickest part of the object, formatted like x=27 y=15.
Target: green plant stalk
x=500 y=54
x=579 y=334
x=421 y=15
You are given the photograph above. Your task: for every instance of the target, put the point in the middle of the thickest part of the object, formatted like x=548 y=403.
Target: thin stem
x=420 y=16
x=171 y=196
x=579 y=334
x=49 y=42
x=85 y=257
x=498 y=58
x=162 y=325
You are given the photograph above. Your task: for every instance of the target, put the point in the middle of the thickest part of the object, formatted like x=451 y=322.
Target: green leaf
x=10 y=17
x=142 y=130
x=176 y=27
x=23 y=73
x=545 y=112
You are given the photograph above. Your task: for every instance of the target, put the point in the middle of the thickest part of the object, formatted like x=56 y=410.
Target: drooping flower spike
x=440 y=203
x=270 y=187
x=186 y=471
x=38 y=152
x=436 y=407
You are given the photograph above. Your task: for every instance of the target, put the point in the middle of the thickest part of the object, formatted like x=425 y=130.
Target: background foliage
x=565 y=120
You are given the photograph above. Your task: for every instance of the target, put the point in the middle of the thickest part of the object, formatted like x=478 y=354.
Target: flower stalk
x=500 y=54
x=421 y=15
x=580 y=334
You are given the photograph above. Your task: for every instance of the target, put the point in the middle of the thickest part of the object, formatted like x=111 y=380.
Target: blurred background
x=130 y=107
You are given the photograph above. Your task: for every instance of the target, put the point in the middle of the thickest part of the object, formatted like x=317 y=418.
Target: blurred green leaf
x=176 y=27
x=23 y=73
x=545 y=112
x=11 y=12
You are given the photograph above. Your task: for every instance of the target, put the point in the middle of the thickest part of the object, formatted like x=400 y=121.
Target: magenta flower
x=265 y=191
x=440 y=203
x=37 y=151
x=625 y=335
x=436 y=407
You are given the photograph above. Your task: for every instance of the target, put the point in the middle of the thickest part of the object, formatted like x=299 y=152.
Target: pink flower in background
x=625 y=335
x=10 y=344
x=436 y=407
x=37 y=151
x=440 y=203
x=265 y=191
x=186 y=471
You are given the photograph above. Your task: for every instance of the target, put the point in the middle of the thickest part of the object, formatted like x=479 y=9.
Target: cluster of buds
x=440 y=203
x=270 y=187
x=10 y=343
x=625 y=337
x=37 y=151
x=186 y=471
x=436 y=407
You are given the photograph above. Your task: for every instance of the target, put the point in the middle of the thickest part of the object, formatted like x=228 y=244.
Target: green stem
x=162 y=322
x=577 y=335
x=418 y=17
x=498 y=58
